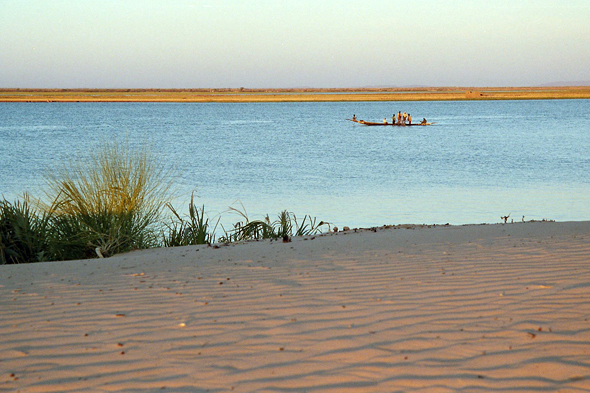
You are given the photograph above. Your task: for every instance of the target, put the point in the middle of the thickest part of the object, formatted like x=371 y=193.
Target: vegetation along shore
x=116 y=202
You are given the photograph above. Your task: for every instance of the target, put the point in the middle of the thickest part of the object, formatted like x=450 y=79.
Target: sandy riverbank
x=479 y=308
x=293 y=95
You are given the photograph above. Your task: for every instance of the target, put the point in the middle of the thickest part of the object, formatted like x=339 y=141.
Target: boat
x=370 y=123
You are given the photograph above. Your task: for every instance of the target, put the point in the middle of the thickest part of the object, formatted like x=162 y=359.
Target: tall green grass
x=285 y=226
x=109 y=204
x=190 y=229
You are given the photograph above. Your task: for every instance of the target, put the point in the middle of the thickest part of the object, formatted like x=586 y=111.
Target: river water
x=479 y=161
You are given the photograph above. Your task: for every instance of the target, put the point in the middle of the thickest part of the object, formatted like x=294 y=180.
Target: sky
x=292 y=43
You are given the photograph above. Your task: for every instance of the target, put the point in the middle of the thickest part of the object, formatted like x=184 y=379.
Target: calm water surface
x=481 y=160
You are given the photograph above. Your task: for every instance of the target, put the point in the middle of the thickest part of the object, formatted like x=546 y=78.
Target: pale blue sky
x=292 y=43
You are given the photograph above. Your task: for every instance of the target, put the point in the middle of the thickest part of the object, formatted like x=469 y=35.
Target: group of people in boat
x=399 y=119
x=403 y=118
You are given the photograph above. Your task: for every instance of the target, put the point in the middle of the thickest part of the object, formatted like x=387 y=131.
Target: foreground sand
x=483 y=308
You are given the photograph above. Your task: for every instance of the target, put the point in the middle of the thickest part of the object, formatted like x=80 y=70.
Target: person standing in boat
x=404 y=117
x=399 y=117
x=393 y=119
x=409 y=119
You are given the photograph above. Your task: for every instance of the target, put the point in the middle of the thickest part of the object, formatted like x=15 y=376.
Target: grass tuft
x=188 y=230
x=109 y=204
x=285 y=226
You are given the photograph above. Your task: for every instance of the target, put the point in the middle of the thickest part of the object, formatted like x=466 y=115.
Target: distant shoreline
x=229 y=95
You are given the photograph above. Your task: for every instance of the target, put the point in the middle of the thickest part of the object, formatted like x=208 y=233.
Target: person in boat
x=404 y=117
x=399 y=117
x=353 y=117
x=409 y=119
x=423 y=121
x=393 y=119
x=385 y=120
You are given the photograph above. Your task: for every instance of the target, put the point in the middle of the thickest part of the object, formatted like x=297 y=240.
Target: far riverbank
x=293 y=95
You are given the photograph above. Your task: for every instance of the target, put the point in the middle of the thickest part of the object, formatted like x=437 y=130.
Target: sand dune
x=482 y=308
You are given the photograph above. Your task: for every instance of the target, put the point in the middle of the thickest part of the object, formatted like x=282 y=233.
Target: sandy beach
x=478 y=308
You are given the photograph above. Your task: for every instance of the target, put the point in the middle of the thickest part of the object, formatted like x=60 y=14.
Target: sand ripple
x=457 y=309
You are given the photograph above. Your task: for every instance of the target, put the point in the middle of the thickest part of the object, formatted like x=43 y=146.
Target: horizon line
x=349 y=88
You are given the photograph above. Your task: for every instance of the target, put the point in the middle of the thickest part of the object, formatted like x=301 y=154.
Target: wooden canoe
x=370 y=123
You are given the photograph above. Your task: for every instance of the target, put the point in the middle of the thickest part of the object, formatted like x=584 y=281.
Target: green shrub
x=284 y=227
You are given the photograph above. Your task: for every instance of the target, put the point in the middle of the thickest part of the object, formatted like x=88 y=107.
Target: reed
x=285 y=226
x=190 y=229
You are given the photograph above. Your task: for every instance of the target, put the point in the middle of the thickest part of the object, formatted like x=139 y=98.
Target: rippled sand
x=487 y=308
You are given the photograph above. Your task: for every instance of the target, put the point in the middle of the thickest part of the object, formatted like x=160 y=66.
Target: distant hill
x=570 y=83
